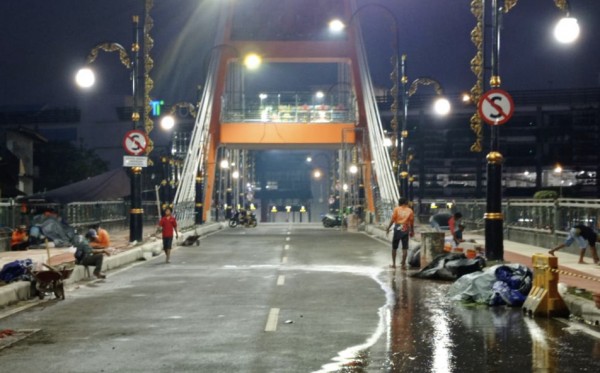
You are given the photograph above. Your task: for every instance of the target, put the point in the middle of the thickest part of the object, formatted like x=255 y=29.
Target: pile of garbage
x=16 y=271
x=503 y=284
x=451 y=266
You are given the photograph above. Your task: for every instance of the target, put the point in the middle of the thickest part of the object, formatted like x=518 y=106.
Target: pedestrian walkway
x=581 y=276
x=119 y=239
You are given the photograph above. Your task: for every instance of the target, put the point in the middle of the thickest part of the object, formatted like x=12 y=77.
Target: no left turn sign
x=135 y=142
x=496 y=107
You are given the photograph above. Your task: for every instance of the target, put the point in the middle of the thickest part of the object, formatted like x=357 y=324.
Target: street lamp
x=168 y=121
x=441 y=107
x=337 y=25
x=493 y=216
x=85 y=78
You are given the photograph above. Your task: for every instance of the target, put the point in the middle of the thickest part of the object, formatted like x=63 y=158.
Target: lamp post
x=493 y=216
x=441 y=107
x=167 y=123
x=85 y=79
x=337 y=25
x=399 y=78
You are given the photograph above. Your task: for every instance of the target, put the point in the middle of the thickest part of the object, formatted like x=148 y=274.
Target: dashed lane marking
x=286 y=247
x=280 y=280
x=272 y=320
x=284 y=260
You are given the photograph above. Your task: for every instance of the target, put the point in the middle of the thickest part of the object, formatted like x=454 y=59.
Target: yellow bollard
x=544 y=299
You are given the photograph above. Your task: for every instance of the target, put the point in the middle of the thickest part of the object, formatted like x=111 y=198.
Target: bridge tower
x=294 y=32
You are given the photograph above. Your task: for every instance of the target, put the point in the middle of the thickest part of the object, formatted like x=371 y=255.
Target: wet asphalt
x=285 y=298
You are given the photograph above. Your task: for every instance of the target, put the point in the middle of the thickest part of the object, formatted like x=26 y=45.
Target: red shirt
x=168 y=225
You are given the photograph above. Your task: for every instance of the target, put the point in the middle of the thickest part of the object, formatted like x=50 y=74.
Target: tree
x=62 y=163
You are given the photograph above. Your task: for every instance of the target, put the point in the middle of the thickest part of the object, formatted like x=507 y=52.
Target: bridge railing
x=80 y=215
x=540 y=222
x=289 y=107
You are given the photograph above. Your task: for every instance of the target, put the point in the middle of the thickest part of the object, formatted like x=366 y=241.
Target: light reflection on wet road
x=430 y=333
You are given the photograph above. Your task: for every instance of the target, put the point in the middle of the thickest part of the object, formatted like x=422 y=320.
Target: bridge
x=342 y=119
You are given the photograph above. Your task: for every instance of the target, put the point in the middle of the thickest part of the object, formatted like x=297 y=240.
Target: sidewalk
x=124 y=254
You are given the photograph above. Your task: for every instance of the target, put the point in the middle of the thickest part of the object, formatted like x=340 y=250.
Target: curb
x=21 y=290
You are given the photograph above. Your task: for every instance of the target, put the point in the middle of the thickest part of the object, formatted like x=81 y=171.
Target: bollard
x=544 y=299
x=432 y=245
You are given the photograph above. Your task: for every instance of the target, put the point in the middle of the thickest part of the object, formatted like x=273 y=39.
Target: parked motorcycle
x=331 y=220
x=247 y=220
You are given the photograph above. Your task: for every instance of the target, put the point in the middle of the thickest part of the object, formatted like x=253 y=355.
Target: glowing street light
x=167 y=122
x=442 y=106
x=566 y=30
x=85 y=77
x=252 y=61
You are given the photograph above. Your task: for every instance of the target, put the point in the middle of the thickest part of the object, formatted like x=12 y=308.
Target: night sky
x=43 y=43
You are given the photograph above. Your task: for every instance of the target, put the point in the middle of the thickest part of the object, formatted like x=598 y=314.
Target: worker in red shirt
x=168 y=224
x=100 y=239
x=403 y=220
x=19 y=239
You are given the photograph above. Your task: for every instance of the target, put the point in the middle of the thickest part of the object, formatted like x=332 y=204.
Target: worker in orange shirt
x=99 y=238
x=403 y=220
x=19 y=239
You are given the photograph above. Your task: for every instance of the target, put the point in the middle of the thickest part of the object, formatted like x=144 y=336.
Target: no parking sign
x=496 y=107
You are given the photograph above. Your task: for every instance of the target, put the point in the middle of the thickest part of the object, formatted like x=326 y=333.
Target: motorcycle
x=248 y=220
x=331 y=220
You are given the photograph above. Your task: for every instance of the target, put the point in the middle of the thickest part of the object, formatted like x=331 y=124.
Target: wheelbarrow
x=51 y=281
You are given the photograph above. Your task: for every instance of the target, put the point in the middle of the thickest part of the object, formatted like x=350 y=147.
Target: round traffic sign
x=135 y=142
x=496 y=107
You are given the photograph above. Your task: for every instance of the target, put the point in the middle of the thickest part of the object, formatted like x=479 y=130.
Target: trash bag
x=504 y=295
x=450 y=266
x=17 y=270
x=474 y=287
x=413 y=258
x=506 y=284
x=56 y=231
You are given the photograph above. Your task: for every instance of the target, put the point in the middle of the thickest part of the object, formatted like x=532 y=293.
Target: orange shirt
x=18 y=237
x=403 y=215
x=103 y=240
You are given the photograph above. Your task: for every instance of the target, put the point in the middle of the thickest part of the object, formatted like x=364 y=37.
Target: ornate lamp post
x=85 y=79
x=493 y=217
x=167 y=123
x=441 y=107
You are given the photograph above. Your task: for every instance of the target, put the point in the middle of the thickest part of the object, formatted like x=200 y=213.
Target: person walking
x=403 y=220
x=585 y=236
x=168 y=225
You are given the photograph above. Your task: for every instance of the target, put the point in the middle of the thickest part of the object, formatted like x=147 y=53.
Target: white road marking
x=286 y=247
x=284 y=260
x=280 y=280
x=272 y=320
x=287 y=238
